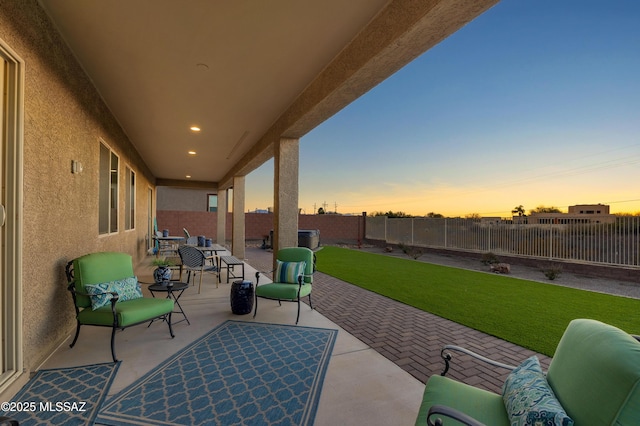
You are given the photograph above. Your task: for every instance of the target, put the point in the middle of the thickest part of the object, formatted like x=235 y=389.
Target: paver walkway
x=407 y=336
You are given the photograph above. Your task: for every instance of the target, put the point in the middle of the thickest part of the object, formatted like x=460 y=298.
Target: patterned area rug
x=62 y=396
x=240 y=373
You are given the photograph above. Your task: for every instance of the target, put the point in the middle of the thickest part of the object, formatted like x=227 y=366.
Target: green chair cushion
x=288 y=272
x=282 y=291
x=595 y=373
x=96 y=268
x=129 y=313
x=486 y=407
x=298 y=254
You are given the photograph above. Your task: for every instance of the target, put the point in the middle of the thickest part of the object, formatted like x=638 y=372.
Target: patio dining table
x=166 y=243
x=210 y=250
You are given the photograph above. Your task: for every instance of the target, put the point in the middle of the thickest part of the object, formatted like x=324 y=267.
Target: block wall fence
x=333 y=228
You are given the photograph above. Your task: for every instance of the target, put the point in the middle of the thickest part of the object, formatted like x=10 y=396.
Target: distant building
x=578 y=214
x=491 y=220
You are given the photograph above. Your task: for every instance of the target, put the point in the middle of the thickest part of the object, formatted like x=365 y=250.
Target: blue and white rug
x=62 y=396
x=240 y=373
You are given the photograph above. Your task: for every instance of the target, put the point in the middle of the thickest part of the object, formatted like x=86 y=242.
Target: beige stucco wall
x=183 y=199
x=63 y=119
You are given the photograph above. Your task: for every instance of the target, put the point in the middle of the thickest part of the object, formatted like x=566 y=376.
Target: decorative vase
x=161 y=274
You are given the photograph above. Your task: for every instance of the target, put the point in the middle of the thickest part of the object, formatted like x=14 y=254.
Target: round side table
x=174 y=289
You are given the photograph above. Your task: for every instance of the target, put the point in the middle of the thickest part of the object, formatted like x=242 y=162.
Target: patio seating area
x=384 y=351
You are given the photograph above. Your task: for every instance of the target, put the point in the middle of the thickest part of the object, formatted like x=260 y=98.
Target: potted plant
x=163 y=270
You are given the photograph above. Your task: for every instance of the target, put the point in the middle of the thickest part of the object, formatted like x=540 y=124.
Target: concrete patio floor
x=361 y=385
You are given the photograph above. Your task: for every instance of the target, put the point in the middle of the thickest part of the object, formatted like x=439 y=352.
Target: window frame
x=209 y=203
x=108 y=191
x=129 y=198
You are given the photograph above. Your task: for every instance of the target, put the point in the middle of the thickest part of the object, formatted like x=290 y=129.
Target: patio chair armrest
x=263 y=272
x=446 y=356
x=452 y=413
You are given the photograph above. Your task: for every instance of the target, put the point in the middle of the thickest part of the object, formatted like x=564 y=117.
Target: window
x=130 y=199
x=212 y=202
x=108 y=193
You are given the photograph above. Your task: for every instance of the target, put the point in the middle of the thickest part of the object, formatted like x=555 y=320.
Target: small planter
x=163 y=271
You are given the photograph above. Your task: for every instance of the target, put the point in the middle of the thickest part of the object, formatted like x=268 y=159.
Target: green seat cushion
x=129 y=312
x=595 y=374
x=486 y=407
x=282 y=291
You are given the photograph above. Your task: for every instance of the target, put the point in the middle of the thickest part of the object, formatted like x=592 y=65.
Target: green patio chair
x=292 y=278
x=106 y=293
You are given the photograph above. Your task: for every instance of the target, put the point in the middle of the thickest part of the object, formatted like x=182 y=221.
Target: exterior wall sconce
x=76 y=167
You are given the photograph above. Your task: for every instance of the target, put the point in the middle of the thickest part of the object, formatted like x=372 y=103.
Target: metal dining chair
x=194 y=261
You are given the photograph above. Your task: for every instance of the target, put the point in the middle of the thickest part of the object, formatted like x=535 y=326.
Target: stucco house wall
x=64 y=117
x=183 y=199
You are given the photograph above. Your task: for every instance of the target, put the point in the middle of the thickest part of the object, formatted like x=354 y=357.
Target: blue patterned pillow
x=288 y=272
x=529 y=400
x=127 y=289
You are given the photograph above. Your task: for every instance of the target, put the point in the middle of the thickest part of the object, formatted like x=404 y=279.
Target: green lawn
x=528 y=313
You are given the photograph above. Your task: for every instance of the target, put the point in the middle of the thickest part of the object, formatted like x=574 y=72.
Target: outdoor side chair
x=106 y=293
x=194 y=261
x=292 y=278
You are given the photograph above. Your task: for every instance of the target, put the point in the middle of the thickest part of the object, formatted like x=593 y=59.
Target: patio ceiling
x=246 y=72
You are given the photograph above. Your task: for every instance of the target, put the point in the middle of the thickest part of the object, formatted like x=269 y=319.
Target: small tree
x=391 y=214
x=519 y=210
x=543 y=209
x=436 y=215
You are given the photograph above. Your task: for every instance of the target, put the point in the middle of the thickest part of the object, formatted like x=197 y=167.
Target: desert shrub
x=489 y=259
x=413 y=252
x=552 y=272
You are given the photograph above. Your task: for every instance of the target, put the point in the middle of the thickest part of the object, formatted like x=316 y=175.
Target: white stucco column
x=221 y=234
x=238 y=234
x=286 y=156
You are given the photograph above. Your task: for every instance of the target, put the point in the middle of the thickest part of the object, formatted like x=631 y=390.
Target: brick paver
x=407 y=336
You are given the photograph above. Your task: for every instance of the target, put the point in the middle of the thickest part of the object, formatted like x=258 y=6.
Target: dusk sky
x=536 y=102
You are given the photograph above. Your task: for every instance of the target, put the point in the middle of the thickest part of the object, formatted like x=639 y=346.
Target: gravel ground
x=602 y=285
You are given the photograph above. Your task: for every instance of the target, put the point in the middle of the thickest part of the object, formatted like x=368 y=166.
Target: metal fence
x=603 y=243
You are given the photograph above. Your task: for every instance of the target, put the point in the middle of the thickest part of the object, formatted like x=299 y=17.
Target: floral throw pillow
x=288 y=272
x=529 y=400
x=100 y=294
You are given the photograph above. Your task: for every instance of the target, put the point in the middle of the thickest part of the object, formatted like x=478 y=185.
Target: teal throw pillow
x=100 y=294
x=529 y=400
x=288 y=272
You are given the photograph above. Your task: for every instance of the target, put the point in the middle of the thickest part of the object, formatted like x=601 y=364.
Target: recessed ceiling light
x=194 y=128
x=192 y=153
x=188 y=176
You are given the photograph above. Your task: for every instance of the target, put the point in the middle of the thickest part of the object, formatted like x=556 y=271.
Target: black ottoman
x=241 y=297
